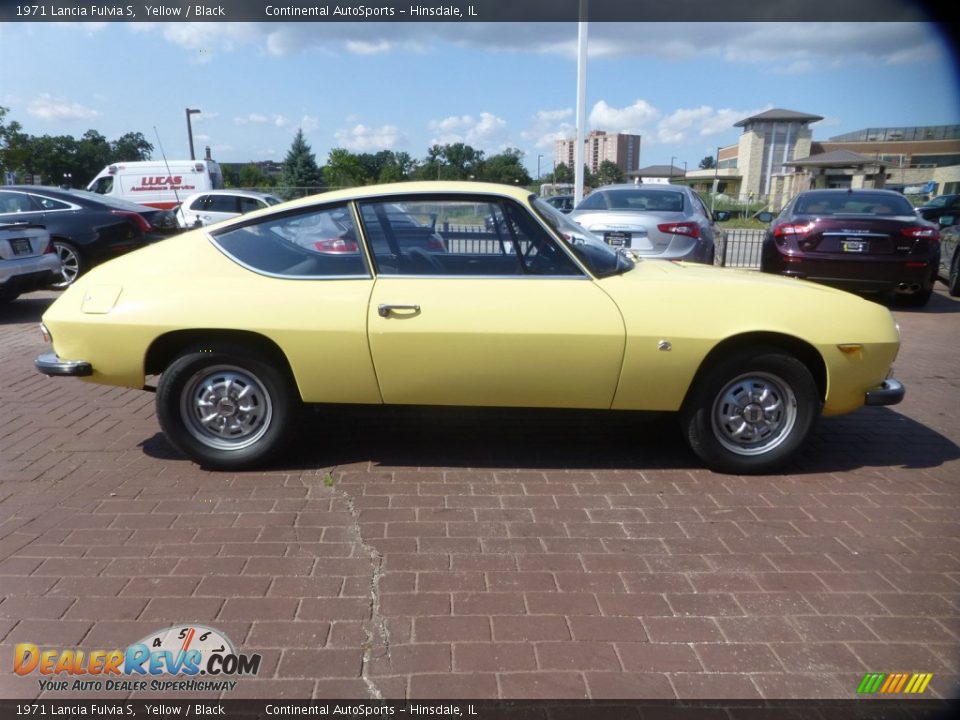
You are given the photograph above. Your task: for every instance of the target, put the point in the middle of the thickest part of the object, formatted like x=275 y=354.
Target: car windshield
x=847 y=203
x=938 y=202
x=641 y=199
x=600 y=258
x=271 y=200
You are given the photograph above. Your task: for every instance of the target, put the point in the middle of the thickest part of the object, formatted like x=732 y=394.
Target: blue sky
x=405 y=86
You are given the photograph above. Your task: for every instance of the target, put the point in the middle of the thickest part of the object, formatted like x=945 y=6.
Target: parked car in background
x=663 y=221
x=868 y=241
x=950 y=257
x=157 y=183
x=940 y=206
x=27 y=260
x=206 y=208
x=530 y=310
x=563 y=203
x=85 y=228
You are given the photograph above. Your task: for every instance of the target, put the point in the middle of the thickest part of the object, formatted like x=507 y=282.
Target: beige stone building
x=778 y=144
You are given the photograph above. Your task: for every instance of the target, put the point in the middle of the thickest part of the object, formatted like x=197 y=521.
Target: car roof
x=415 y=188
x=833 y=192
x=658 y=187
x=234 y=192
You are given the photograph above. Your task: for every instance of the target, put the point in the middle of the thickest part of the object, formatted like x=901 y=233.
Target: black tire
x=771 y=433
x=917 y=299
x=237 y=436
x=72 y=264
x=953 y=280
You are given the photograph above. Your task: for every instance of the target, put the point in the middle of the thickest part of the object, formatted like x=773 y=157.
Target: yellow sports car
x=464 y=294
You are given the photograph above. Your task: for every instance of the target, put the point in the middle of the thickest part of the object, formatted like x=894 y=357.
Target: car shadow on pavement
x=940 y=304
x=575 y=440
x=25 y=309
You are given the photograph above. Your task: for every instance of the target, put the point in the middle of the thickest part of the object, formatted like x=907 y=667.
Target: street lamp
x=191 y=111
x=538 y=167
x=672 y=158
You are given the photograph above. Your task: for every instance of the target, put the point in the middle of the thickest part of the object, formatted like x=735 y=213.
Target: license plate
x=21 y=246
x=857 y=246
x=617 y=239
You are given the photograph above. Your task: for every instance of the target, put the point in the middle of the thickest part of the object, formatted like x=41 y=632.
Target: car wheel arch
x=167 y=347
x=800 y=349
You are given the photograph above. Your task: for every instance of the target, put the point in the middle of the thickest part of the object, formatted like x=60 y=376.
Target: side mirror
x=947 y=220
x=764 y=217
x=721 y=216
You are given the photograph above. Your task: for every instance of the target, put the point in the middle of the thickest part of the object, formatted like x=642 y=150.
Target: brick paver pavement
x=484 y=557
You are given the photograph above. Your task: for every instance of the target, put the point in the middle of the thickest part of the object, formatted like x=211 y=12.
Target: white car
x=212 y=206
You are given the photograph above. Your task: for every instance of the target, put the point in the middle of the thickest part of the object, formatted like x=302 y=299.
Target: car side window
x=248 y=204
x=463 y=237
x=306 y=243
x=14 y=202
x=200 y=203
x=222 y=203
x=50 y=204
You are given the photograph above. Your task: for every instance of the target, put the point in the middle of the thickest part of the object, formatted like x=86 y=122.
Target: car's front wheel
x=226 y=408
x=751 y=412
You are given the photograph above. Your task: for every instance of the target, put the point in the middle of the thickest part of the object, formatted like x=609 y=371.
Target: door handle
x=385 y=310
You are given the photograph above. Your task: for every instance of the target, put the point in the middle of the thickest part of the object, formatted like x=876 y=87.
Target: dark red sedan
x=868 y=241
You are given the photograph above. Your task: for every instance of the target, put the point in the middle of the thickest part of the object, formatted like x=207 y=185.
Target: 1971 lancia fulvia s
x=461 y=294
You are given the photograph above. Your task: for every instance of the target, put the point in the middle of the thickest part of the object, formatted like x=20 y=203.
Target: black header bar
x=468 y=11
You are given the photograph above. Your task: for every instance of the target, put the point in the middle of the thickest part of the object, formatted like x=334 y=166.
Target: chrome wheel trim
x=754 y=413
x=69 y=264
x=226 y=407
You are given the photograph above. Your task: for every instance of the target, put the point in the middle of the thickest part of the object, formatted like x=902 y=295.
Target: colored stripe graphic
x=871 y=682
x=893 y=683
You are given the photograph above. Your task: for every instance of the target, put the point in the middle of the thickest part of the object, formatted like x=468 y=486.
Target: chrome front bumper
x=50 y=364
x=890 y=392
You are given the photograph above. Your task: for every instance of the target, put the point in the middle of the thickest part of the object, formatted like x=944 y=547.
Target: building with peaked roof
x=778 y=143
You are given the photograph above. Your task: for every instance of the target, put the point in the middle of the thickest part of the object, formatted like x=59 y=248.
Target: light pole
x=539 y=157
x=672 y=158
x=191 y=111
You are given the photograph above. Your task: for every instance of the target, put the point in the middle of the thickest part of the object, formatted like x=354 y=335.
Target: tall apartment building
x=620 y=148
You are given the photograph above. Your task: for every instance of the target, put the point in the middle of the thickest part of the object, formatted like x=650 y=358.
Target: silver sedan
x=652 y=220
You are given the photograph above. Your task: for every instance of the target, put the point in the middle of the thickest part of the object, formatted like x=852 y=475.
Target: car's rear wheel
x=71 y=264
x=226 y=407
x=751 y=412
x=953 y=280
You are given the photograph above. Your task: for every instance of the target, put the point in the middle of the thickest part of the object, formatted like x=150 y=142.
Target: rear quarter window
x=316 y=243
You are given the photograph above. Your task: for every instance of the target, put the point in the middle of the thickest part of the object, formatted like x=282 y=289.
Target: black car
x=868 y=241
x=86 y=229
x=940 y=206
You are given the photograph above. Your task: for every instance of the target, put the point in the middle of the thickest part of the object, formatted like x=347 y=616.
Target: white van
x=156 y=183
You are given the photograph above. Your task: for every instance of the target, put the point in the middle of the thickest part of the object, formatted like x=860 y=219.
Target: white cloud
x=48 y=107
x=635 y=119
x=488 y=132
x=361 y=138
x=260 y=119
x=548 y=126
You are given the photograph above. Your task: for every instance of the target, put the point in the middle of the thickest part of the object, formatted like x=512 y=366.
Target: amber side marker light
x=850 y=348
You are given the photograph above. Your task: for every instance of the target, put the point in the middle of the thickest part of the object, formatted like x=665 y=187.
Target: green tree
x=608 y=173
x=301 y=175
x=130 y=147
x=562 y=174
x=707 y=163
x=506 y=167
x=344 y=169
